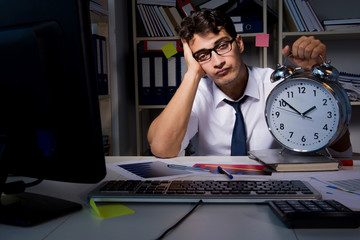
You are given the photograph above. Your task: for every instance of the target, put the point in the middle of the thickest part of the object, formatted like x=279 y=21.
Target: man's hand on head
x=192 y=65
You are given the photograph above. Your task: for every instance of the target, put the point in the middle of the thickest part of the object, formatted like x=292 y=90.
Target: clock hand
x=307 y=111
x=291 y=107
x=292 y=112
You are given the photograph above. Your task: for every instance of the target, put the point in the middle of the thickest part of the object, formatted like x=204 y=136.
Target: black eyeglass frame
x=214 y=49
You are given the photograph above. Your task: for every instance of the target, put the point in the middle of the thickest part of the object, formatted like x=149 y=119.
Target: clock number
x=303 y=139
x=316 y=135
x=314 y=93
x=277 y=114
x=329 y=114
x=282 y=127
x=282 y=104
x=324 y=102
x=291 y=134
x=302 y=89
x=290 y=94
x=325 y=127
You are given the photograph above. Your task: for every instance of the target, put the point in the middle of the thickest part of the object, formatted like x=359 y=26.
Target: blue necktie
x=238 y=140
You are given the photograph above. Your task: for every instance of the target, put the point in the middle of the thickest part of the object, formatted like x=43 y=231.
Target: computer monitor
x=49 y=108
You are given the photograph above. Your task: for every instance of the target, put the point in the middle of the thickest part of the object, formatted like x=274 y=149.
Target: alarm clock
x=309 y=109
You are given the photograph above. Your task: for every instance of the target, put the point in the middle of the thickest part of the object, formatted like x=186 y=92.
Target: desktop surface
x=150 y=220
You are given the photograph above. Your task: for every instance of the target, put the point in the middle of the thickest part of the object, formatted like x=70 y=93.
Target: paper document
x=342 y=185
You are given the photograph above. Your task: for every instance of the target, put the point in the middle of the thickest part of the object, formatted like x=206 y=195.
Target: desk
x=150 y=220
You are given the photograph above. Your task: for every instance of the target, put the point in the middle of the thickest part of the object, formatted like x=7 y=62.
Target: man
x=216 y=71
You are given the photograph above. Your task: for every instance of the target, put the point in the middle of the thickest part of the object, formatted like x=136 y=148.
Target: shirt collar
x=251 y=89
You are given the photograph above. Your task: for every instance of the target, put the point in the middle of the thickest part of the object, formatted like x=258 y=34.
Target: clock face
x=302 y=114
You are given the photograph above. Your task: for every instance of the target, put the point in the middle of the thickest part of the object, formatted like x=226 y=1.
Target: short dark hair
x=205 y=21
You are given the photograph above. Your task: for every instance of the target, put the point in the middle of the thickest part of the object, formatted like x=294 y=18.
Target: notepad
x=292 y=161
x=110 y=210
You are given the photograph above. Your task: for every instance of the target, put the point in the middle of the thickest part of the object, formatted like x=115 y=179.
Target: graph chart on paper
x=352 y=185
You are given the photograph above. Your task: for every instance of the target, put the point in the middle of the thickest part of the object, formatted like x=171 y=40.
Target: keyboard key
x=315 y=214
x=210 y=190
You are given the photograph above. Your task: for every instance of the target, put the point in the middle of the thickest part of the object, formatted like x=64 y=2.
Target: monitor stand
x=28 y=209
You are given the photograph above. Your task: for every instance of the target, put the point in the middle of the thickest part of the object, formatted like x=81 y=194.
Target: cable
x=180 y=221
x=19 y=186
x=33 y=183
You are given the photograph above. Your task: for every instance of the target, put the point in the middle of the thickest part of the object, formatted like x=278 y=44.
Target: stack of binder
x=159 y=77
x=99 y=44
x=248 y=23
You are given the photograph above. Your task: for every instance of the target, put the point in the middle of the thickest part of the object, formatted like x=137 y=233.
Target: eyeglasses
x=220 y=49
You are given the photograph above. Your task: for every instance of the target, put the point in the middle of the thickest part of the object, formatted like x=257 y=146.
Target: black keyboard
x=207 y=191
x=315 y=214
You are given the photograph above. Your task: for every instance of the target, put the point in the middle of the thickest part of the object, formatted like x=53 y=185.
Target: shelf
x=99 y=16
x=243 y=35
x=328 y=35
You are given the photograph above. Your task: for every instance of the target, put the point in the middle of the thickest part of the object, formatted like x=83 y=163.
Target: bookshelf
x=146 y=113
x=99 y=18
x=344 y=57
x=324 y=36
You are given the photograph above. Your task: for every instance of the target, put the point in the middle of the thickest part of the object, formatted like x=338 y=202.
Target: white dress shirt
x=213 y=119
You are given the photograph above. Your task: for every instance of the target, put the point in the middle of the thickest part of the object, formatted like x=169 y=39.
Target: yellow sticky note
x=110 y=210
x=169 y=50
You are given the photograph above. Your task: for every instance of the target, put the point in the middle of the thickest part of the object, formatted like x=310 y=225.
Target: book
x=171 y=18
x=315 y=18
x=343 y=27
x=310 y=19
x=96 y=7
x=100 y=54
x=288 y=161
x=176 y=15
x=171 y=3
x=341 y=21
x=295 y=14
x=158 y=21
x=168 y=21
x=305 y=14
x=145 y=20
x=290 y=22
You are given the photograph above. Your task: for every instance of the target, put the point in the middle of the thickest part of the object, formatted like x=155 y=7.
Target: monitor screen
x=49 y=111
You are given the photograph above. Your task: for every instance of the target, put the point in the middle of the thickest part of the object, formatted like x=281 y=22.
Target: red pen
x=350 y=162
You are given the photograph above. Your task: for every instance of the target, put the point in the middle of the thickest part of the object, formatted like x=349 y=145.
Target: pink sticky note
x=262 y=40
